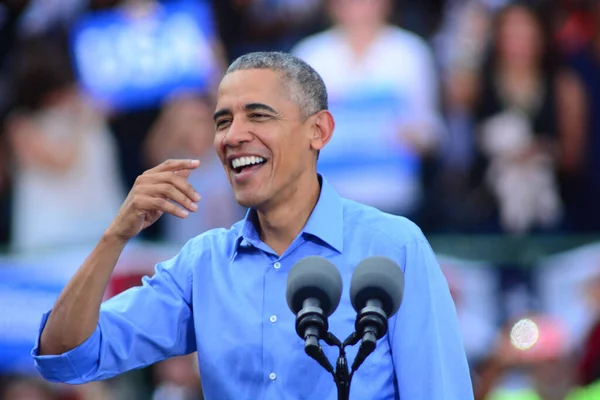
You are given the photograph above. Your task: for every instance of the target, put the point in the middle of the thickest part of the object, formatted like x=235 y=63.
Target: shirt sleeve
x=427 y=348
x=139 y=327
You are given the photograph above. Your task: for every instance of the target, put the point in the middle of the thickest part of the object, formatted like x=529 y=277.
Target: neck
x=280 y=224
x=360 y=38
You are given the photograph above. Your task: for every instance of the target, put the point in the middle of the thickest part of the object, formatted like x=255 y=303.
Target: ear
x=322 y=129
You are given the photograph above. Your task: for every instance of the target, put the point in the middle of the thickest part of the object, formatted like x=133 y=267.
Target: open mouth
x=242 y=164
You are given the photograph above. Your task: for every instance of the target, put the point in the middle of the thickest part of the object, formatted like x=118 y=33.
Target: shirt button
x=277 y=265
x=272 y=376
x=273 y=318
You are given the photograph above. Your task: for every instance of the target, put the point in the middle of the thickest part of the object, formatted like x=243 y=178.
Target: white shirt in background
x=72 y=207
x=393 y=87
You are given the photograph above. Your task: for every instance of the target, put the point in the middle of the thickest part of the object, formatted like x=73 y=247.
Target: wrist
x=114 y=239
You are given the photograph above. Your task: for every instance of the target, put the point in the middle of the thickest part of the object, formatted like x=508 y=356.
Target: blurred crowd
x=467 y=116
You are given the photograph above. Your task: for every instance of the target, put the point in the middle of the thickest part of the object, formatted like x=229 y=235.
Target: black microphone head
x=377 y=278
x=315 y=277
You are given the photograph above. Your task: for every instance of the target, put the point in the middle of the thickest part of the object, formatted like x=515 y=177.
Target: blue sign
x=132 y=58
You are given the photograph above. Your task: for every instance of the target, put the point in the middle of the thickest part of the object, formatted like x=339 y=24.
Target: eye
x=258 y=116
x=222 y=124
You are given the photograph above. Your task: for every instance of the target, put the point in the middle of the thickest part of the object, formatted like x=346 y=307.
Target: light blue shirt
x=223 y=296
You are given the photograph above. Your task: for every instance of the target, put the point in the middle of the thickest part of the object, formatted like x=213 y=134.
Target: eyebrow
x=248 y=107
x=222 y=112
x=258 y=107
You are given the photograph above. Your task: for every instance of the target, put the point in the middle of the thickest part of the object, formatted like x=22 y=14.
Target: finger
x=164 y=205
x=171 y=192
x=173 y=179
x=149 y=203
x=174 y=165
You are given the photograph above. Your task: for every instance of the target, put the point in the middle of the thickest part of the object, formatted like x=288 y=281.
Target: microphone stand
x=342 y=376
x=370 y=322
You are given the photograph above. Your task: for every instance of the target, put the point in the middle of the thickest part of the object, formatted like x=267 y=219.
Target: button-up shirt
x=223 y=295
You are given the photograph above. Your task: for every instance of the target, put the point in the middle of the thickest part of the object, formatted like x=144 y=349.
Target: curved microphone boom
x=376 y=292
x=314 y=289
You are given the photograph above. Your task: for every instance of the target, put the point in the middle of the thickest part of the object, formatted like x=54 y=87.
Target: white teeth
x=243 y=161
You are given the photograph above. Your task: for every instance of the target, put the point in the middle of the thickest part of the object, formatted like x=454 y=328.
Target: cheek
x=218 y=143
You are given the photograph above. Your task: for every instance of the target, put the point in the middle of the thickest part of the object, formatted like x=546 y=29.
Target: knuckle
x=167 y=190
x=190 y=190
x=162 y=203
x=171 y=178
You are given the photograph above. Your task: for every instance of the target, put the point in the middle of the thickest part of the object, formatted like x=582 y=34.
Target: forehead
x=252 y=86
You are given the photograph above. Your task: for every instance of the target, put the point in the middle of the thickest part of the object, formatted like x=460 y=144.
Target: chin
x=247 y=199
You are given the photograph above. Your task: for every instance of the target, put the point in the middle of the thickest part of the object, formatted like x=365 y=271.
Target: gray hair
x=303 y=82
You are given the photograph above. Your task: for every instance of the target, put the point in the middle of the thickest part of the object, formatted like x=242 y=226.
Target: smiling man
x=223 y=295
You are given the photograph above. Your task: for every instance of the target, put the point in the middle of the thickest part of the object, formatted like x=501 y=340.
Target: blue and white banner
x=30 y=285
x=26 y=292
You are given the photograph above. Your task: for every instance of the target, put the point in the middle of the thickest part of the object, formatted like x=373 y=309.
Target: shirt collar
x=326 y=221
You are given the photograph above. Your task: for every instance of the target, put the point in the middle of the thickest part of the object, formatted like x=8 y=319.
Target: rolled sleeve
x=72 y=366
x=138 y=327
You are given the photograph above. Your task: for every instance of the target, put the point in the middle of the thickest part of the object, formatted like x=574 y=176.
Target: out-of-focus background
x=477 y=119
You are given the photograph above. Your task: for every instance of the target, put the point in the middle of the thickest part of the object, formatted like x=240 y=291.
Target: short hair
x=303 y=82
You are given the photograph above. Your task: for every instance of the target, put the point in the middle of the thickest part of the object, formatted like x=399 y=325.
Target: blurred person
x=66 y=185
x=223 y=295
x=514 y=178
x=178 y=379
x=185 y=129
x=383 y=89
x=580 y=139
x=460 y=47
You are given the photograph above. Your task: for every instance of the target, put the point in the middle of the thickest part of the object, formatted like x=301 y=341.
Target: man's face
x=261 y=138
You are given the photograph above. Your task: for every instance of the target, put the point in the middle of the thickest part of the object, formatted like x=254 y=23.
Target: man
x=223 y=295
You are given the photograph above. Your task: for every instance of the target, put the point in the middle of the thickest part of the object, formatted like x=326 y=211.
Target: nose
x=237 y=134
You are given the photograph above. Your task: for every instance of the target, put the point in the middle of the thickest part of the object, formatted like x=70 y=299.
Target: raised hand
x=162 y=189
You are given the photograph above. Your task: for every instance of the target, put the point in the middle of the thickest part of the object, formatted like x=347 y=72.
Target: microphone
x=314 y=289
x=376 y=292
